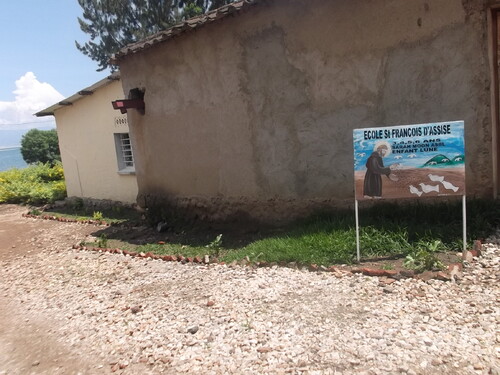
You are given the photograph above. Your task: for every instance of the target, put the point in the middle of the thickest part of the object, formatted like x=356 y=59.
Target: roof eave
x=49 y=111
x=181 y=28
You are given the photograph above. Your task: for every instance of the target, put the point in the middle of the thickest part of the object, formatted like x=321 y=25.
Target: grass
x=387 y=230
x=77 y=211
x=322 y=243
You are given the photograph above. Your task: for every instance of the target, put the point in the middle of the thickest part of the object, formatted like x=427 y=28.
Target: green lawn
x=385 y=230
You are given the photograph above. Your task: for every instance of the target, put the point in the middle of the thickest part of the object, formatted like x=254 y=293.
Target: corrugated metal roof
x=183 y=27
x=79 y=95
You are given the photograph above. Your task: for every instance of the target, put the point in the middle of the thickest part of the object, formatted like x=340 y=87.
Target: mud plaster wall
x=255 y=114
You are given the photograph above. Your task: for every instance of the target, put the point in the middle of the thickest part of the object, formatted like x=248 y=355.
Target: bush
x=40 y=146
x=36 y=184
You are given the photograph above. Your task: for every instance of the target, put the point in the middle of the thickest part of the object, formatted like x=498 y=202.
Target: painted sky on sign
x=453 y=145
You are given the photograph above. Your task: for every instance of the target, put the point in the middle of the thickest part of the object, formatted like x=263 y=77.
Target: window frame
x=124 y=153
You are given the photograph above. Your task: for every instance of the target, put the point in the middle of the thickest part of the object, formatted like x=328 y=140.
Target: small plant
x=35 y=211
x=103 y=241
x=387 y=267
x=97 y=215
x=215 y=245
x=432 y=246
x=247 y=325
x=423 y=260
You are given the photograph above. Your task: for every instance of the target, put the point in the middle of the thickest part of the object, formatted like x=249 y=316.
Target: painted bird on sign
x=435 y=177
x=428 y=188
x=449 y=186
x=415 y=191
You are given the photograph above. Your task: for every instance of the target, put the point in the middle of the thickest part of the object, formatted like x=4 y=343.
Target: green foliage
x=432 y=246
x=192 y=10
x=113 y=24
x=103 y=241
x=35 y=211
x=423 y=260
x=215 y=245
x=76 y=209
x=35 y=184
x=384 y=241
x=40 y=146
x=416 y=230
x=423 y=257
x=97 y=215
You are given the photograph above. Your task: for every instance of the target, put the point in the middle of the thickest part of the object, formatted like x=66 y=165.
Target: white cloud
x=31 y=96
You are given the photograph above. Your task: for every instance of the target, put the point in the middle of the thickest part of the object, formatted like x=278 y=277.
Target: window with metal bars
x=124 y=153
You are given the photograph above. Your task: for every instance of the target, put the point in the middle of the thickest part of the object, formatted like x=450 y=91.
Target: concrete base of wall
x=274 y=211
x=246 y=211
x=100 y=204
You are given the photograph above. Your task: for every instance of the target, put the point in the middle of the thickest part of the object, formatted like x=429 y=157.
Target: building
x=249 y=109
x=94 y=141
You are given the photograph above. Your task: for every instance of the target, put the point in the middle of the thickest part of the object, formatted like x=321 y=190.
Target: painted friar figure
x=375 y=168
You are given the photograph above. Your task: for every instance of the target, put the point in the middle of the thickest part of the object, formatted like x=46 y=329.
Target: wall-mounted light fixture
x=124 y=104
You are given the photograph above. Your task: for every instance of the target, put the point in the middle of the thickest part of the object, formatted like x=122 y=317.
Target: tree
x=40 y=146
x=113 y=24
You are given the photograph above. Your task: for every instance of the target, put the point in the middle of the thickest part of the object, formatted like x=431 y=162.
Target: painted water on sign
x=10 y=157
x=409 y=161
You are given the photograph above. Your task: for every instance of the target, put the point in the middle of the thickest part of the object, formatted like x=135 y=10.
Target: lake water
x=11 y=158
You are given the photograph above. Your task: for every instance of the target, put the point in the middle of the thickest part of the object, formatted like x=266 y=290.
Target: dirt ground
x=30 y=346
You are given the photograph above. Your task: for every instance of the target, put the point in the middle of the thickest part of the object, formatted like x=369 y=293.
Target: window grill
x=128 y=157
x=124 y=152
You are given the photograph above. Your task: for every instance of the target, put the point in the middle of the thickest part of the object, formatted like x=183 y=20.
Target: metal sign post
x=464 y=221
x=358 y=252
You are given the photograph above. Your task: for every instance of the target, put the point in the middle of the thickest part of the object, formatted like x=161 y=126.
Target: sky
x=449 y=145
x=39 y=62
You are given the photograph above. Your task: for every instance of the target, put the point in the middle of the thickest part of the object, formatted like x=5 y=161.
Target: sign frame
x=424 y=160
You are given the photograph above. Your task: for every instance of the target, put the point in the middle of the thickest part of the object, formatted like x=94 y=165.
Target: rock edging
x=453 y=273
x=67 y=220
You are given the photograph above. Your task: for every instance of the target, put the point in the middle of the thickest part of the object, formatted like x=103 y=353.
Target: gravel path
x=116 y=314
